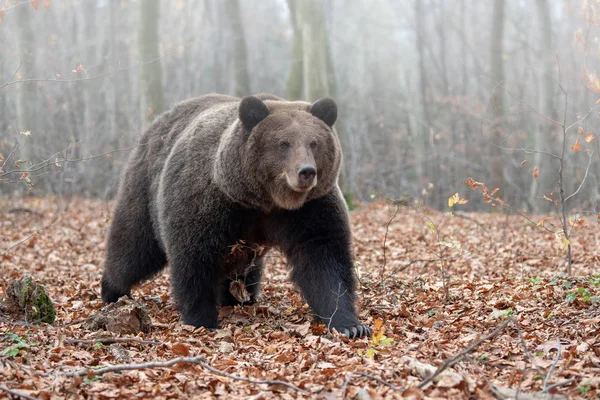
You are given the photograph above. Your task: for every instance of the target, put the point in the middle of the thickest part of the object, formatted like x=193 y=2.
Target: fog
x=429 y=92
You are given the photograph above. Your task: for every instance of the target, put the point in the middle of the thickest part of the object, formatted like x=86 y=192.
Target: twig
x=345 y=385
x=200 y=360
x=16 y=393
x=124 y=69
x=390 y=385
x=527 y=151
x=456 y=358
x=111 y=341
x=584 y=177
x=556 y=358
x=54 y=221
x=387 y=228
x=364 y=374
x=492 y=387
x=525 y=348
x=561 y=188
x=558 y=384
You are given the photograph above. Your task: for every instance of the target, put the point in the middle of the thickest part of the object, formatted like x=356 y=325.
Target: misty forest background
x=430 y=92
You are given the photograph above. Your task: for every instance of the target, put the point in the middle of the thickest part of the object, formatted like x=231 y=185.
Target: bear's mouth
x=297 y=186
x=288 y=197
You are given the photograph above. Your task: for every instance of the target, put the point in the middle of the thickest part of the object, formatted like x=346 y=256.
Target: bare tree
x=497 y=100
x=151 y=82
x=241 y=80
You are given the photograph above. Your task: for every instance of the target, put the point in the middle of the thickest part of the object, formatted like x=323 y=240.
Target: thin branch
x=200 y=361
x=584 y=177
x=16 y=393
x=14 y=74
x=558 y=384
x=456 y=358
x=107 y=73
x=556 y=358
x=526 y=151
x=387 y=228
x=55 y=220
x=492 y=387
x=383 y=382
x=111 y=341
x=43 y=164
x=580 y=120
x=524 y=344
x=527 y=104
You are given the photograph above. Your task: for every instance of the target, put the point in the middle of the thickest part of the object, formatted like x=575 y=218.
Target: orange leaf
x=589 y=137
x=1 y=15
x=35 y=4
x=46 y=4
x=580 y=131
x=494 y=191
x=180 y=349
x=576 y=147
x=523 y=162
x=377 y=325
x=536 y=172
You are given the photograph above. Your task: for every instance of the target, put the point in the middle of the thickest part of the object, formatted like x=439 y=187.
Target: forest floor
x=505 y=320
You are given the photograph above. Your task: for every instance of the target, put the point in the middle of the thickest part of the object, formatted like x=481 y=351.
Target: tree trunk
x=542 y=135
x=151 y=82
x=26 y=93
x=423 y=122
x=240 y=59
x=496 y=158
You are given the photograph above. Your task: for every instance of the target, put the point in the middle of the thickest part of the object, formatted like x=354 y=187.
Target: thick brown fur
x=217 y=170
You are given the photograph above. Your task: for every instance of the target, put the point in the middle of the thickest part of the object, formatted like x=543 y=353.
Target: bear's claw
x=357 y=331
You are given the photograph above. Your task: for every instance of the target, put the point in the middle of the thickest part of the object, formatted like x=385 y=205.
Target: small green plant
x=13 y=351
x=430 y=313
x=581 y=293
x=378 y=340
x=535 y=281
x=98 y=346
x=482 y=358
x=571 y=297
x=584 y=389
x=595 y=280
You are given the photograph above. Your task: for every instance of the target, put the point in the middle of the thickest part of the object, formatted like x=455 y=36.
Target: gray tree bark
x=241 y=80
x=496 y=158
x=151 y=82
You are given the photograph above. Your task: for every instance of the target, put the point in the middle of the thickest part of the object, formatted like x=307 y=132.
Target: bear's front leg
x=317 y=242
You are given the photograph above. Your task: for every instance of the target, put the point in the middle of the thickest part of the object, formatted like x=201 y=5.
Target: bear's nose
x=306 y=174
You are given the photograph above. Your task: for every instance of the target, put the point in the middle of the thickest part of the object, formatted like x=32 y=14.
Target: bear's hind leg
x=133 y=253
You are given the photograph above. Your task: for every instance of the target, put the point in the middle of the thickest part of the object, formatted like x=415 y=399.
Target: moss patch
x=29 y=300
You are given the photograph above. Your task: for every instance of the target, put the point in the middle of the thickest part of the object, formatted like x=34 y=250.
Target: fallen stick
x=16 y=393
x=184 y=360
x=456 y=358
x=111 y=341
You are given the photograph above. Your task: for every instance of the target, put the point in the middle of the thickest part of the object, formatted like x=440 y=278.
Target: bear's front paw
x=354 y=331
x=210 y=323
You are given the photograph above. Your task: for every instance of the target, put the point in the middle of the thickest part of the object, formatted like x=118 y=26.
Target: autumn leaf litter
x=497 y=269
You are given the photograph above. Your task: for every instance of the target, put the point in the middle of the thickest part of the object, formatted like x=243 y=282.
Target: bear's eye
x=284 y=144
x=313 y=144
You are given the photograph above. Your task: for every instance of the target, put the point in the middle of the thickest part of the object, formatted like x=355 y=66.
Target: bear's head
x=287 y=153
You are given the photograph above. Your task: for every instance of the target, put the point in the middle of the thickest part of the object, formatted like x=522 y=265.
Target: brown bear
x=217 y=170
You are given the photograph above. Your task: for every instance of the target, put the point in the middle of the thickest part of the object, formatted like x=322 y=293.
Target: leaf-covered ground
x=498 y=271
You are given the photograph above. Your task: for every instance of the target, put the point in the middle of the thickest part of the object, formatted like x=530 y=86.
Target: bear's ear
x=325 y=109
x=252 y=111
